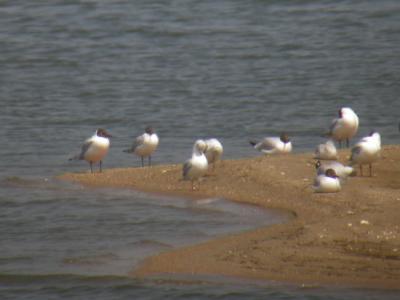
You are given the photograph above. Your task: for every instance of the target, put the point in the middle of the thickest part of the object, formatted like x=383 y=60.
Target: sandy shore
x=349 y=238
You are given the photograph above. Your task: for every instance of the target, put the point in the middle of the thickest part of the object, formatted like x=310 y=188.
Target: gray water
x=234 y=70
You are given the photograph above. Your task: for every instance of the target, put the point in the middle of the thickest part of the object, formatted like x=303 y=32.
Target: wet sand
x=350 y=238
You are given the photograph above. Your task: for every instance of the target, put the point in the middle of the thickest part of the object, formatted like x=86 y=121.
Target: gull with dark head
x=95 y=148
x=144 y=145
x=345 y=126
x=214 y=151
x=366 y=151
x=273 y=145
x=341 y=170
x=327 y=183
x=197 y=166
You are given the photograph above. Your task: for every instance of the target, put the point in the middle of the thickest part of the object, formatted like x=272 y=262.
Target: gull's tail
x=75 y=157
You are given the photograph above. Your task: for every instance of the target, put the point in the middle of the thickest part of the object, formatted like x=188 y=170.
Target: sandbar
x=350 y=238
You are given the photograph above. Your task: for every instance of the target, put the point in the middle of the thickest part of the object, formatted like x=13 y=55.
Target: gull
x=272 y=145
x=345 y=126
x=341 y=170
x=366 y=151
x=326 y=151
x=95 y=148
x=327 y=182
x=197 y=166
x=214 y=151
x=144 y=145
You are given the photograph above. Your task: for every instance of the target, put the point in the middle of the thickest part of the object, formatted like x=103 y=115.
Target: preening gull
x=345 y=126
x=326 y=151
x=214 y=151
x=197 y=166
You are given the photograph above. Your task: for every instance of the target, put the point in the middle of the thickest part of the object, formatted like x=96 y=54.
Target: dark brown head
x=103 y=133
x=331 y=173
x=317 y=164
x=149 y=130
x=340 y=113
x=284 y=138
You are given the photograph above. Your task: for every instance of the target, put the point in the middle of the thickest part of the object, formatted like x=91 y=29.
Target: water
x=228 y=69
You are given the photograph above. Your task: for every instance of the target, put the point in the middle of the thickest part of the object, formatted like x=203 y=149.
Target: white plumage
x=341 y=170
x=197 y=166
x=366 y=151
x=326 y=151
x=327 y=183
x=213 y=151
x=95 y=148
x=345 y=126
x=273 y=145
x=144 y=145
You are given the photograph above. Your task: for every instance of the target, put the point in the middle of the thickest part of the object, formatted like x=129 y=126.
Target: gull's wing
x=85 y=147
x=336 y=123
x=355 y=151
x=186 y=168
x=136 y=143
x=268 y=145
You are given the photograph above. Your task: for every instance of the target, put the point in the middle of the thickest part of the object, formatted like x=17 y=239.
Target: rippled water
x=228 y=69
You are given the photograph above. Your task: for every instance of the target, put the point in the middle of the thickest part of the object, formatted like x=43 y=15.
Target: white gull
x=95 y=148
x=326 y=151
x=144 y=145
x=345 y=126
x=327 y=183
x=272 y=145
x=366 y=151
x=341 y=170
x=214 y=151
x=197 y=166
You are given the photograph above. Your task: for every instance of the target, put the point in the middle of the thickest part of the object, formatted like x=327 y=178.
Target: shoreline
x=350 y=238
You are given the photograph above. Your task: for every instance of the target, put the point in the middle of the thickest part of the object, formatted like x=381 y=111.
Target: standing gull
x=366 y=151
x=95 y=148
x=272 y=145
x=214 y=151
x=345 y=126
x=144 y=145
x=197 y=166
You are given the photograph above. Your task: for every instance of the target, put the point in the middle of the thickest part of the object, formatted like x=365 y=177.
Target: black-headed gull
x=345 y=126
x=326 y=151
x=214 y=151
x=95 y=148
x=341 y=170
x=366 y=151
x=327 y=183
x=197 y=165
x=272 y=145
x=144 y=145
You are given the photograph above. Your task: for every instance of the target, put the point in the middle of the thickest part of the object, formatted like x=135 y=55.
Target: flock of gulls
x=330 y=173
